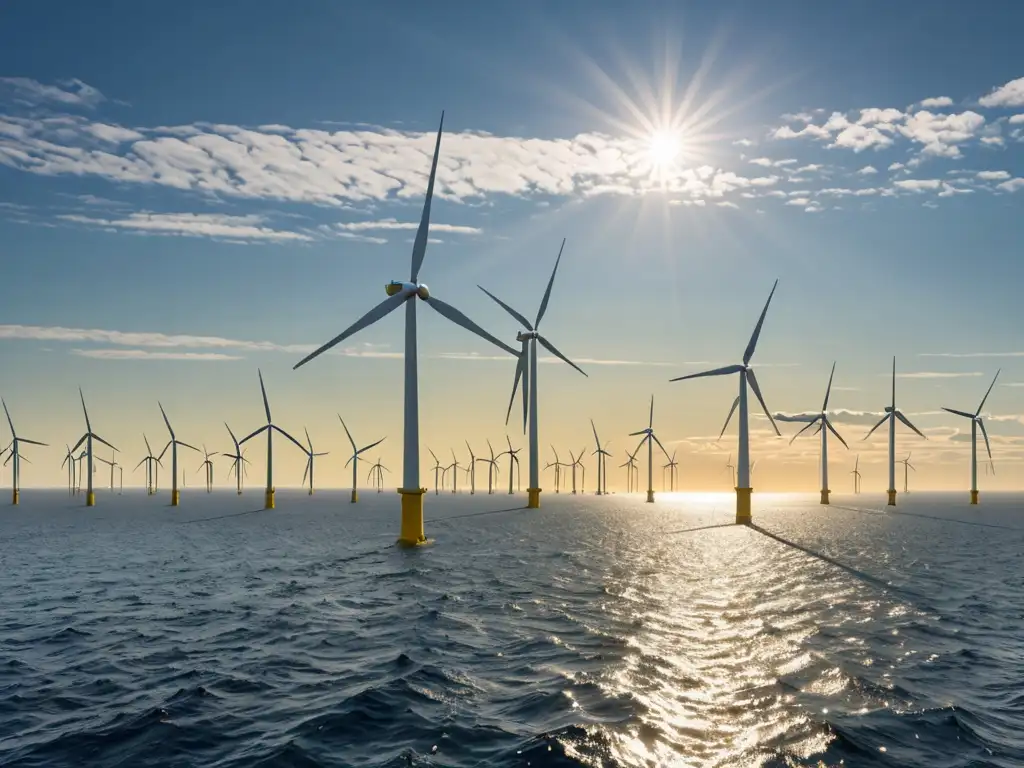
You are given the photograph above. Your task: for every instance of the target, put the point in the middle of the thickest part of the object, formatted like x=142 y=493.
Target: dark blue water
x=591 y=632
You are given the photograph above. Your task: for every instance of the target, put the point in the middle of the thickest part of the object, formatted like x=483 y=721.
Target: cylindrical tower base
x=90 y=499
x=892 y=498
x=824 y=495
x=533 y=498
x=411 y=534
x=650 y=497
x=15 y=496
x=355 y=496
x=175 y=497
x=743 y=513
x=268 y=498
x=974 y=497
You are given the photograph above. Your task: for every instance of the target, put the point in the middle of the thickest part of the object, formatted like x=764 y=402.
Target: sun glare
x=664 y=148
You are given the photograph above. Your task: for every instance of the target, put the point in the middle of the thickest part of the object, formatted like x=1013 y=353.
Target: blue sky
x=189 y=194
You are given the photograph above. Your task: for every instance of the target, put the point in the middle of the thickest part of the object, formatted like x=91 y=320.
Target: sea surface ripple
x=596 y=631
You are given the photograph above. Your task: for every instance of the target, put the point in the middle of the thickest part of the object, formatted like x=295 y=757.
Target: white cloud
x=361 y=226
x=993 y=175
x=744 y=143
x=114 y=134
x=762 y=161
x=192 y=224
x=918 y=185
x=867 y=170
x=941 y=133
x=993 y=141
x=72 y=93
x=861 y=137
x=811 y=131
x=935 y=375
x=1009 y=95
x=143 y=354
x=811 y=168
x=897 y=167
x=1016 y=120
x=937 y=101
x=1012 y=185
x=727 y=204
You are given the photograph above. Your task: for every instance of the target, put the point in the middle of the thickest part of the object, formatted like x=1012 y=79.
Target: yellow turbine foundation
x=650 y=496
x=175 y=498
x=268 y=499
x=892 y=498
x=974 y=497
x=743 y=516
x=355 y=495
x=412 y=517
x=533 y=498
x=17 y=493
x=824 y=495
x=90 y=499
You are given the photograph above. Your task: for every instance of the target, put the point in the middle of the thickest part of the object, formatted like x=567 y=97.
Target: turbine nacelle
x=397 y=286
x=526 y=335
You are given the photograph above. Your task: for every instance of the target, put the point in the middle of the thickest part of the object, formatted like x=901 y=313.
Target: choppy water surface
x=591 y=632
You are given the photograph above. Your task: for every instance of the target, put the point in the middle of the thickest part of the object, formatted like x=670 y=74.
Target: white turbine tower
x=892 y=413
x=406 y=293
x=824 y=427
x=976 y=421
x=173 y=444
x=87 y=438
x=238 y=460
x=269 y=427
x=16 y=457
x=746 y=372
x=650 y=438
x=354 y=458
x=526 y=368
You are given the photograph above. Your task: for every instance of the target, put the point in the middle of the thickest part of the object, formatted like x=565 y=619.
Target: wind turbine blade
x=880 y=423
x=634 y=434
x=80 y=441
x=299 y=445
x=824 y=406
x=251 y=436
x=263 y=390
x=833 y=431
x=752 y=345
x=308 y=441
x=101 y=440
x=166 y=420
x=137 y=465
x=716 y=372
x=305 y=472
x=9 y=422
x=551 y=348
x=186 y=445
x=977 y=414
x=519 y=317
x=85 y=410
x=650 y=421
x=520 y=369
x=959 y=413
x=524 y=356
x=547 y=291
x=894 y=382
x=655 y=438
x=371 y=445
x=460 y=319
x=732 y=410
x=23 y=458
x=354 y=449
x=752 y=379
x=31 y=442
x=597 y=440
x=233 y=438
x=984 y=433
x=146 y=440
x=810 y=424
x=419 y=248
x=906 y=421
x=390 y=304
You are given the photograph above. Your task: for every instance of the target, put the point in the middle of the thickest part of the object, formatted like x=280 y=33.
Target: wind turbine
x=976 y=421
x=238 y=460
x=150 y=461
x=558 y=470
x=16 y=457
x=87 y=438
x=269 y=427
x=309 y=461
x=892 y=413
x=69 y=459
x=354 y=458
x=824 y=427
x=406 y=293
x=455 y=467
x=173 y=444
x=112 y=464
x=528 y=360
x=601 y=454
x=513 y=462
x=577 y=461
x=650 y=438
x=435 y=469
x=907 y=466
x=856 y=475
x=746 y=374
x=492 y=468
x=731 y=469
x=472 y=470
x=672 y=468
x=209 y=468
x=377 y=473
x=630 y=466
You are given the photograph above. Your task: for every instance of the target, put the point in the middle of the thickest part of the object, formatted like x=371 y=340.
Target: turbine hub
x=526 y=335
x=398 y=286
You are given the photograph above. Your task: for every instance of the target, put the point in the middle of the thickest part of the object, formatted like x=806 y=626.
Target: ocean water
x=598 y=631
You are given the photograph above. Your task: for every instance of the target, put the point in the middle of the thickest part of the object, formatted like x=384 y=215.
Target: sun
x=663 y=147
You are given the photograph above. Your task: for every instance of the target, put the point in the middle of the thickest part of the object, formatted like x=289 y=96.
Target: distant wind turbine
x=907 y=466
x=731 y=469
x=492 y=468
x=513 y=462
x=87 y=438
x=577 y=461
x=455 y=467
x=650 y=438
x=238 y=460
x=673 y=468
x=406 y=293
x=377 y=474
x=354 y=458
x=856 y=475
x=269 y=428
x=976 y=421
x=746 y=375
x=15 y=456
x=892 y=413
x=208 y=465
x=69 y=459
x=558 y=470
x=437 y=469
x=824 y=427
x=173 y=444
x=310 y=455
x=602 y=454
x=471 y=471
x=526 y=368
x=112 y=464
x=631 y=467
x=151 y=462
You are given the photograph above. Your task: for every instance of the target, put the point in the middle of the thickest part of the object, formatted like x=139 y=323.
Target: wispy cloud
x=1009 y=95
x=935 y=374
x=935 y=102
x=71 y=93
x=383 y=224
x=143 y=354
x=970 y=354
x=247 y=228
